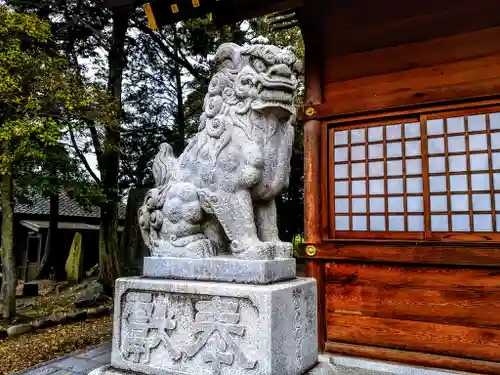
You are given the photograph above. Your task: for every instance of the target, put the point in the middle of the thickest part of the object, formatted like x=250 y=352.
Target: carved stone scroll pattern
x=148 y=322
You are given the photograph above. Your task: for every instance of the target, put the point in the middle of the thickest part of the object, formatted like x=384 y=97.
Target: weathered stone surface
x=221 y=268
x=219 y=195
x=203 y=328
x=320 y=369
x=19 y=329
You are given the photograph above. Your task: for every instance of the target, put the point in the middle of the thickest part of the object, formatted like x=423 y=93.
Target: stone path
x=82 y=362
x=78 y=363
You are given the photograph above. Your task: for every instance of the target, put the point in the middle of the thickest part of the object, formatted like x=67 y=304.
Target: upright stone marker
x=219 y=293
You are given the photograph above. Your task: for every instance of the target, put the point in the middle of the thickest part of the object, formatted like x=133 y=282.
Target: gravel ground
x=30 y=349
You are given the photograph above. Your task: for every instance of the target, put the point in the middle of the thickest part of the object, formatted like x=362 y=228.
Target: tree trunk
x=9 y=281
x=109 y=265
x=180 y=118
x=50 y=253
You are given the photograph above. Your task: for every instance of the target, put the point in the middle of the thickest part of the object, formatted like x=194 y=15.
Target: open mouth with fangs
x=275 y=93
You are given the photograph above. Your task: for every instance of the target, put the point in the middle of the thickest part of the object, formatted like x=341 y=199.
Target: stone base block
x=174 y=327
x=320 y=369
x=221 y=268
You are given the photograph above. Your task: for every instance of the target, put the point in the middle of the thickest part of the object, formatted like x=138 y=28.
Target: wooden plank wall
x=439 y=310
x=389 y=53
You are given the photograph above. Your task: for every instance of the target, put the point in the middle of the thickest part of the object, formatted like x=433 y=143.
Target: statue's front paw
x=283 y=250
x=252 y=250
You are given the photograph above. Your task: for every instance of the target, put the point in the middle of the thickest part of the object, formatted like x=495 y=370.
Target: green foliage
x=297 y=241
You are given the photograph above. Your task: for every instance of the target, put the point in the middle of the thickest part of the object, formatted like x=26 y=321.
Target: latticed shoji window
x=421 y=177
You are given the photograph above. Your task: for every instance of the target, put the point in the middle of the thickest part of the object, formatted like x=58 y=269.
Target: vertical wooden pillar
x=311 y=24
x=311 y=31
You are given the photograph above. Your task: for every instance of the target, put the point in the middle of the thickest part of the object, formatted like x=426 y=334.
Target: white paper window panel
x=377 y=223
x=496 y=160
x=412 y=130
x=413 y=148
x=376 y=168
x=497 y=202
x=358 y=187
x=394 y=167
x=457 y=163
x=413 y=167
x=414 y=185
x=460 y=223
x=358 y=170
x=376 y=134
x=342 y=205
x=498 y=222
x=341 y=171
x=341 y=188
x=480 y=181
x=439 y=223
x=359 y=223
x=439 y=203
x=377 y=187
x=495 y=121
x=437 y=164
x=479 y=162
x=357 y=136
x=359 y=205
x=394 y=149
x=478 y=142
x=459 y=183
x=340 y=138
x=376 y=151
x=455 y=125
x=358 y=153
x=495 y=141
x=435 y=127
x=415 y=223
x=437 y=184
x=496 y=181
x=482 y=223
x=456 y=143
x=393 y=132
x=341 y=222
x=377 y=205
x=476 y=123
x=415 y=204
x=395 y=204
x=395 y=186
x=341 y=154
x=396 y=223
x=436 y=146
x=459 y=202
x=481 y=202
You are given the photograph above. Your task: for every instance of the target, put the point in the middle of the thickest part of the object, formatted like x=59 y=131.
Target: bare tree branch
x=82 y=156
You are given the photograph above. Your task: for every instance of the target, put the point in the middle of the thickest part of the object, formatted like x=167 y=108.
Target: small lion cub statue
x=218 y=197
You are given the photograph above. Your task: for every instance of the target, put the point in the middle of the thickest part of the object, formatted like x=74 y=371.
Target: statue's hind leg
x=235 y=213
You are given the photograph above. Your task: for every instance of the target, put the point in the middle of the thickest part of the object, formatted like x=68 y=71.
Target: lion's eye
x=259 y=65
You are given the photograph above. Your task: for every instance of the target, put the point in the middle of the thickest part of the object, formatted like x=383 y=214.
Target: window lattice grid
x=379 y=179
x=464 y=163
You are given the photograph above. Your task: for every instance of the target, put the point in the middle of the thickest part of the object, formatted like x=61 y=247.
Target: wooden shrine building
x=402 y=172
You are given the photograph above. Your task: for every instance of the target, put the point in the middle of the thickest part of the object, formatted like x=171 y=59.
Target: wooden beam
x=414 y=358
x=421 y=252
x=316 y=269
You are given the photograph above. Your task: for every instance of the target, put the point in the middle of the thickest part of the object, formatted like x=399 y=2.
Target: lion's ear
x=228 y=51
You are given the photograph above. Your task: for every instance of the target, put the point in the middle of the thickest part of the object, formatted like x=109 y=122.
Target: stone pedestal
x=191 y=327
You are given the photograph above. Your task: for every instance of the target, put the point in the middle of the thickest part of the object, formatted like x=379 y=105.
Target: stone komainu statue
x=219 y=195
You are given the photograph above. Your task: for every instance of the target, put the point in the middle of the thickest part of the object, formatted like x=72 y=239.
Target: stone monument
x=219 y=294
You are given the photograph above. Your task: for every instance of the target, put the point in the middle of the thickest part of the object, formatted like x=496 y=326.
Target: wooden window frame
x=422 y=116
